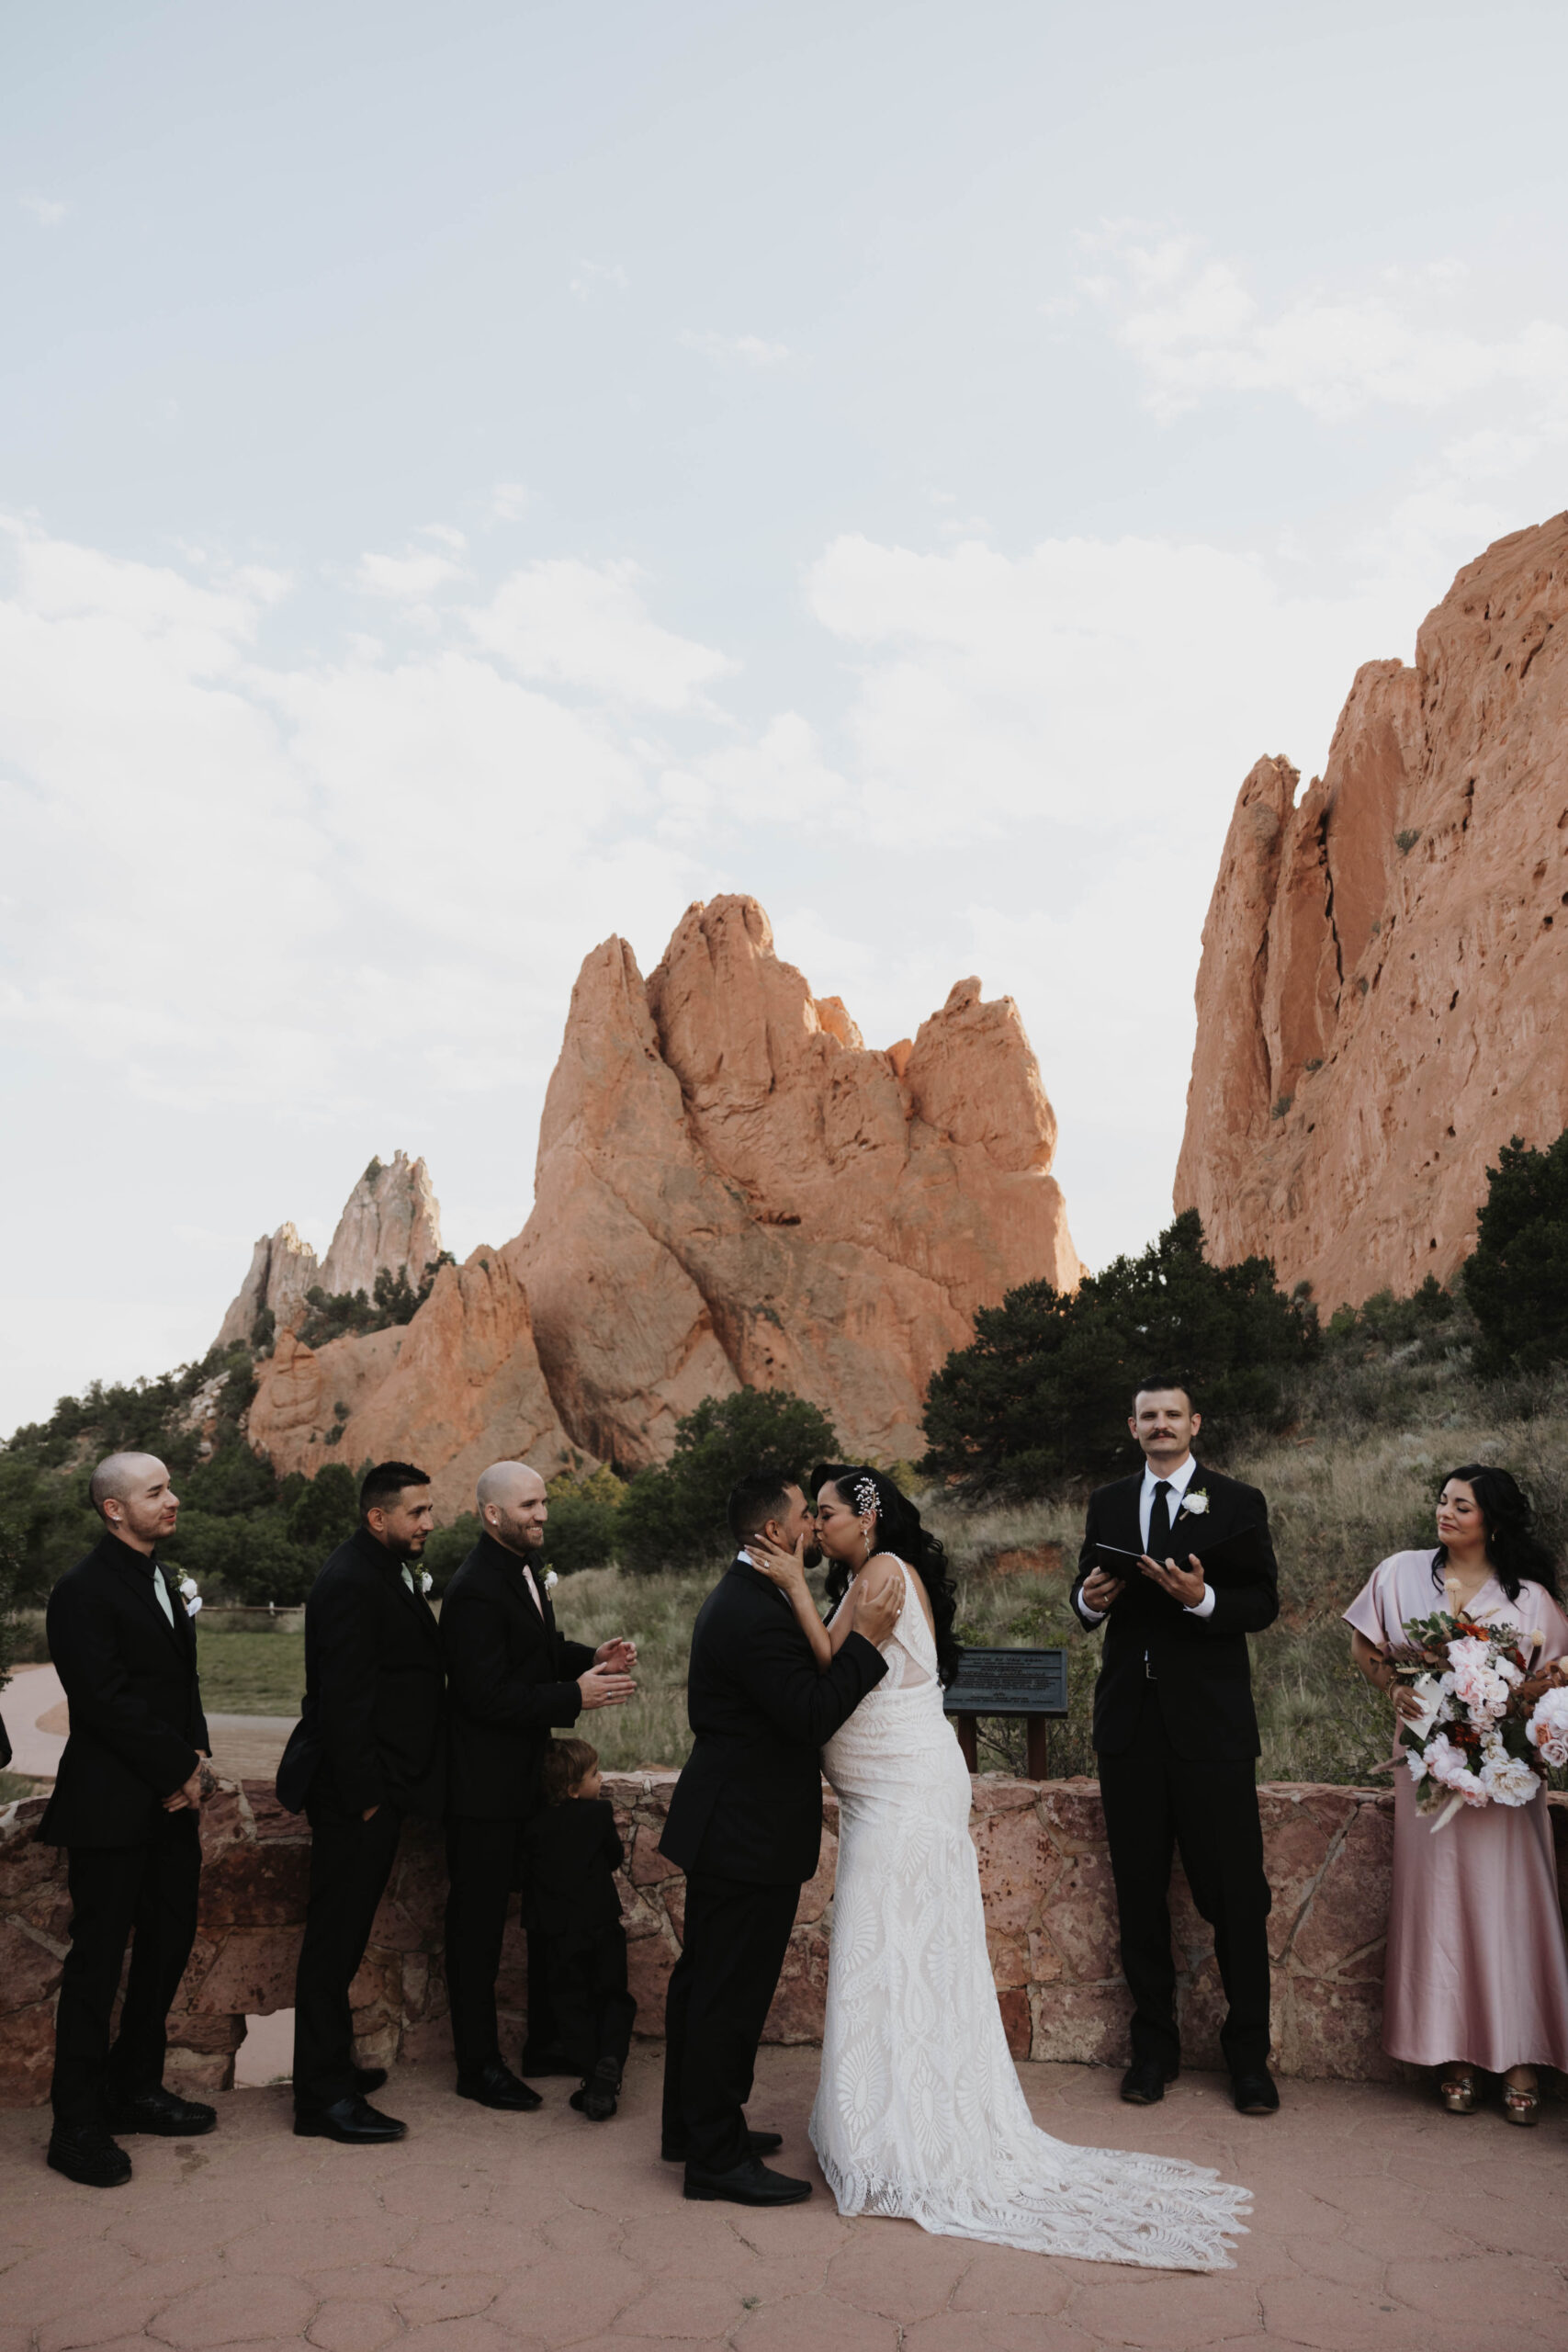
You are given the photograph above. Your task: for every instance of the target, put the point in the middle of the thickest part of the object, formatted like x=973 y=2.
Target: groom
x=1177 y=1735
x=745 y=1826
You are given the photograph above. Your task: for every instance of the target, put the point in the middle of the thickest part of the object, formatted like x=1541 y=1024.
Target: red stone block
x=1086 y=2023
x=1045 y=1960
x=1019 y=1867
x=255 y=1886
x=26 y=2055
x=25 y=1866
x=1000 y=1792
x=252 y=1973
x=1201 y=2007
x=1072 y=1811
x=428 y=2038
x=1009 y=1958
x=208 y=2035
x=818 y=1892
x=1336 y=2031
x=800 y=2001
x=1080 y=1918
x=225 y=1823
x=1349 y=1912
x=29 y=1969
x=1017 y=2022
x=196 y=2073
x=1296 y=1840
x=648 y=1964
x=639 y=1916
x=672 y=1897
x=270 y=1819
x=648 y=1864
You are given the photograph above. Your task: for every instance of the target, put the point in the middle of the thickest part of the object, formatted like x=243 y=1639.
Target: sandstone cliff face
x=390 y=1221
x=732 y=1189
x=1382 y=961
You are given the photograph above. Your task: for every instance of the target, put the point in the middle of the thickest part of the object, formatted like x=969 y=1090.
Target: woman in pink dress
x=1476 y=1972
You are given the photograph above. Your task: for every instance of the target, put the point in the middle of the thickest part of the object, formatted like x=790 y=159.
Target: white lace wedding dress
x=919 y=2112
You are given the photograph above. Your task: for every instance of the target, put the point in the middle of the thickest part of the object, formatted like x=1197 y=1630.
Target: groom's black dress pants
x=1207 y=1807
x=351 y=1860
x=720 y=1991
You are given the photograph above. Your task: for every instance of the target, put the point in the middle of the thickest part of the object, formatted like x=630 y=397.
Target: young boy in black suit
x=572 y=1910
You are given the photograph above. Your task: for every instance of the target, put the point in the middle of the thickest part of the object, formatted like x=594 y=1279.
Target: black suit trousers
x=1156 y=1802
x=591 y=2011
x=720 y=1990
x=118 y=1892
x=482 y=1866
x=351 y=1860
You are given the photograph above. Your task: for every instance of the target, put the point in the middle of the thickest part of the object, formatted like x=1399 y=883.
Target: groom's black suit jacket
x=749 y=1804
x=1202 y=1672
x=511 y=1677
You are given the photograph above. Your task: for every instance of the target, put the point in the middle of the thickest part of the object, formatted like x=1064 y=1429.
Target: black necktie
x=1159 y=1522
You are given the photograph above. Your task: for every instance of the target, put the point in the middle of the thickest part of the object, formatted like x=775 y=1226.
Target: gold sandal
x=1521 y=2106
x=1458 y=2093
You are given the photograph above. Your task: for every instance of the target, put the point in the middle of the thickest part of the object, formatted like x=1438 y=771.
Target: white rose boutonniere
x=1196 y=1503
x=551 y=1580
x=190 y=1595
x=425 y=1580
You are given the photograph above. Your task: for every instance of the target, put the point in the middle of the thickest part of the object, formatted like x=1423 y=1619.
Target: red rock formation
x=391 y=1223
x=732 y=1189
x=1382 y=961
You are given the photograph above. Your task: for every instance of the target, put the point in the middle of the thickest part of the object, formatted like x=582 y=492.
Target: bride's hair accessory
x=866 y=1495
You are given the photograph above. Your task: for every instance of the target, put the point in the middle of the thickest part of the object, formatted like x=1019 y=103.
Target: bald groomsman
x=127 y=1808
x=512 y=1678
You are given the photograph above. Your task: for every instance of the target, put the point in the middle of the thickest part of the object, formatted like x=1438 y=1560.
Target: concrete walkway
x=244 y=1748
x=1378 y=2222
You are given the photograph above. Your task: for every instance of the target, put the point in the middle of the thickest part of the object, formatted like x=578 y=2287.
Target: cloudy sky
x=475 y=477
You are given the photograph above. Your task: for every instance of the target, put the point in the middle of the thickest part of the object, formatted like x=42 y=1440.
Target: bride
x=919 y=2112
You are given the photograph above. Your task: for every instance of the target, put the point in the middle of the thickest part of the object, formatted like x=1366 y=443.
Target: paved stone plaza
x=1379 y=2222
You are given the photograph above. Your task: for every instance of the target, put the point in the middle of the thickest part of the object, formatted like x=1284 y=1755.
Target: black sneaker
x=160 y=2112
x=597 y=2099
x=84 y=2151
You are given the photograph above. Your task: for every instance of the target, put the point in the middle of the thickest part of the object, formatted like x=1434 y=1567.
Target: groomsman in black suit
x=745 y=1825
x=513 y=1676
x=127 y=1808
x=367 y=1752
x=1176 y=1735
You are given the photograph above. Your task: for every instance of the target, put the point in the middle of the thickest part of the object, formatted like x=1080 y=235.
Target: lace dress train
x=919 y=2112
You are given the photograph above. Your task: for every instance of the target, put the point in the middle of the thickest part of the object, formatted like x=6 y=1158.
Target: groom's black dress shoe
x=1143 y=2083
x=497 y=2085
x=353 y=2120
x=749 y=2184
x=161 y=2112
x=762 y=2144
x=1256 y=2093
x=85 y=2153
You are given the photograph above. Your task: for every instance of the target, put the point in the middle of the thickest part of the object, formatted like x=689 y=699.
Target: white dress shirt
x=1178 y=1480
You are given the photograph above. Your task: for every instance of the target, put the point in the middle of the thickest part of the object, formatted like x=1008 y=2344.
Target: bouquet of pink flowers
x=1477 y=1740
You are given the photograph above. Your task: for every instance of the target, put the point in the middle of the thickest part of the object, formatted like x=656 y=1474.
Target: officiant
x=1176 y=1731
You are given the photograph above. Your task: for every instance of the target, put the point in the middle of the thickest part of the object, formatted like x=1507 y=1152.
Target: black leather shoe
x=84 y=2151
x=367 y=2079
x=160 y=2112
x=353 y=2120
x=1256 y=2093
x=1143 y=2083
x=499 y=2086
x=762 y=2144
x=596 y=2100
x=749 y=2184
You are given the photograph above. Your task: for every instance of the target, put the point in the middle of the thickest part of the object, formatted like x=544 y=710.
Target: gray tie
x=161 y=1589
x=408 y=1575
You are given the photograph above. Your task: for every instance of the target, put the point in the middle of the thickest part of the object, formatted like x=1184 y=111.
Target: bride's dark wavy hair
x=1514 y=1548
x=899 y=1530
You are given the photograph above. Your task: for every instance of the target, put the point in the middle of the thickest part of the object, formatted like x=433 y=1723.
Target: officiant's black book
x=1236 y=1559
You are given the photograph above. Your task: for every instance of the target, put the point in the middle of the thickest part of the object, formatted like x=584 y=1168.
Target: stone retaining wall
x=1050 y=1915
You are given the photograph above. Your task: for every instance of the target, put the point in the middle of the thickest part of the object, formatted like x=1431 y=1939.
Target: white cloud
x=45 y=209
x=406 y=579
x=751 y=350
x=510 y=501
x=585 y=625
x=590 y=277
x=1195 y=328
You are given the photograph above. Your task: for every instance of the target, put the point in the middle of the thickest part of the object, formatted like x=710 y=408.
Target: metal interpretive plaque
x=1008 y=1682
